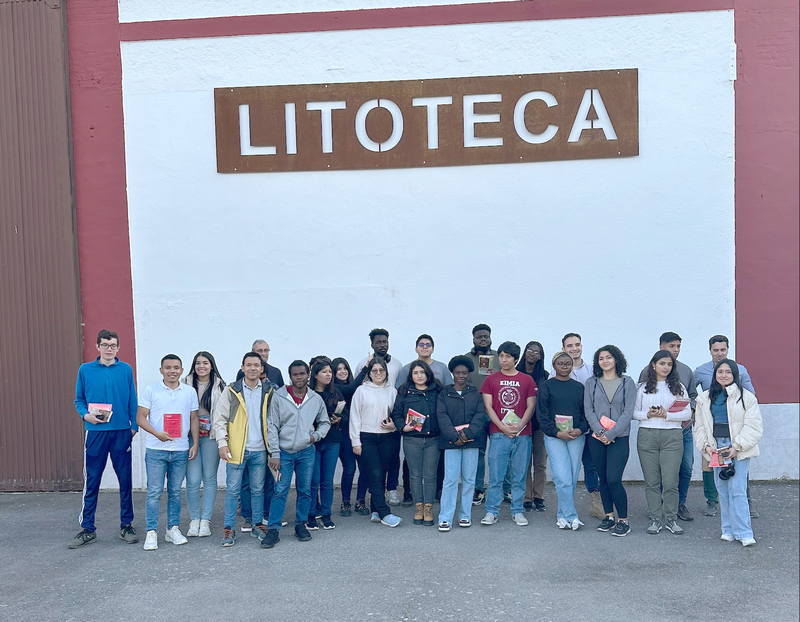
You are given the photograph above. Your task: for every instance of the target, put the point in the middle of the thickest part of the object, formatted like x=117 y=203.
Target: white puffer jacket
x=744 y=421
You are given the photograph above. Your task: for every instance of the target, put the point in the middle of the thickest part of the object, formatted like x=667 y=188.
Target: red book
x=173 y=424
x=678 y=405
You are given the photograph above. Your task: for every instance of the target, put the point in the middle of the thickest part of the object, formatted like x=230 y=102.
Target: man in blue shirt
x=718 y=345
x=105 y=398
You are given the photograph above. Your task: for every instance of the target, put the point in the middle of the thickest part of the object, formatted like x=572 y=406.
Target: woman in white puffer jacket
x=728 y=421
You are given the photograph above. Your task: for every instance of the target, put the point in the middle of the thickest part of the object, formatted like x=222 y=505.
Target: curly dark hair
x=461 y=360
x=673 y=379
x=377 y=331
x=620 y=364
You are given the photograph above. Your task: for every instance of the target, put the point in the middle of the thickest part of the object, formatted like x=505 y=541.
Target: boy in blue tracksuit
x=106 y=380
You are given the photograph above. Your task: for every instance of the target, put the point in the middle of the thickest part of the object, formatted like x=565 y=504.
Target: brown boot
x=418 y=514
x=428 y=514
x=596 y=508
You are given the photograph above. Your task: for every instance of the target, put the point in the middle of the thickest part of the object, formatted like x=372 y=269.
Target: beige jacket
x=744 y=421
x=216 y=392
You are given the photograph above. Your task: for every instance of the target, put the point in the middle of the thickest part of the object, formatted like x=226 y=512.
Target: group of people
x=500 y=408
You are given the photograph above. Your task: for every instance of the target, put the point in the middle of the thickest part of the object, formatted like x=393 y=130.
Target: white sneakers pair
x=173 y=535
x=199 y=528
x=562 y=523
x=491 y=519
x=745 y=541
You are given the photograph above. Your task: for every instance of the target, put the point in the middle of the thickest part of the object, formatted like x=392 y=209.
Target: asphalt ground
x=366 y=571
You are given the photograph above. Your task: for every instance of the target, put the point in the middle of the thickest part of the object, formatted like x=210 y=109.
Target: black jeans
x=377 y=453
x=610 y=461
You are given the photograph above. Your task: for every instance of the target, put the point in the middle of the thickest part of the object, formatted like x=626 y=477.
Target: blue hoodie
x=112 y=384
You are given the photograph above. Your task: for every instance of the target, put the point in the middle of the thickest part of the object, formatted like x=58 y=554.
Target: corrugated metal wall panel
x=40 y=338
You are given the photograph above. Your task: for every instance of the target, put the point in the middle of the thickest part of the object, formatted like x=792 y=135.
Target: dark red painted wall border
x=767 y=196
x=95 y=77
x=404 y=17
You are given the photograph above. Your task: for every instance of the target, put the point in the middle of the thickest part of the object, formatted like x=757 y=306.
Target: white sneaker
x=748 y=541
x=520 y=519
x=489 y=519
x=151 y=542
x=727 y=537
x=205 y=528
x=194 y=528
x=174 y=535
x=576 y=524
x=392 y=498
x=562 y=523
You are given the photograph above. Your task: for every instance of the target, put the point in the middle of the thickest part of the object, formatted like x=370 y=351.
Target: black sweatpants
x=377 y=453
x=610 y=461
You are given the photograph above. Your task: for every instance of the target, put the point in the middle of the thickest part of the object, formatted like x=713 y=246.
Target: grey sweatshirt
x=620 y=409
x=290 y=426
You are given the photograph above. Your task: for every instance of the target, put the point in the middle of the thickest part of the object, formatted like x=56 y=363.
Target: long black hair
x=319 y=364
x=378 y=360
x=539 y=373
x=430 y=379
x=716 y=388
x=335 y=365
x=214 y=378
x=673 y=379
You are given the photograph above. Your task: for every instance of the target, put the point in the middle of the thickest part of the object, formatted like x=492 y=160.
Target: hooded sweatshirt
x=290 y=426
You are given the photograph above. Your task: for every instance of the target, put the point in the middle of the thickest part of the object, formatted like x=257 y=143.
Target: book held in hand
x=205 y=426
x=173 y=424
x=564 y=423
x=678 y=405
x=485 y=364
x=101 y=411
x=511 y=418
x=715 y=460
x=415 y=419
x=606 y=424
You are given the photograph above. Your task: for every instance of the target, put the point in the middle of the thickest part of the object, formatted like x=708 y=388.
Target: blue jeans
x=687 y=463
x=460 y=465
x=256 y=462
x=269 y=490
x=172 y=465
x=322 y=479
x=734 y=510
x=565 y=460
x=501 y=450
x=202 y=468
x=590 y=477
x=301 y=465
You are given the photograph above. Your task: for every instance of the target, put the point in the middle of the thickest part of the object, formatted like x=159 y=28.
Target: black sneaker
x=128 y=534
x=248 y=525
x=539 y=505
x=684 y=513
x=345 y=509
x=621 y=529
x=361 y=508
x=301 y=533
x=478 y=497
x=83 y=538
x=408 y=501
x=607 y=524
x=311 y=524
x=327 y=523
x=506 y=497
x=711 y=508
x=271 y=539
x=528 y=506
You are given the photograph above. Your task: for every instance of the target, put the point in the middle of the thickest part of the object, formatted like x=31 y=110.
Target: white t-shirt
x=161 y=400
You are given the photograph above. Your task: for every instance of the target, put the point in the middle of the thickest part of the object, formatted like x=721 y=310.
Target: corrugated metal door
x=40 y=337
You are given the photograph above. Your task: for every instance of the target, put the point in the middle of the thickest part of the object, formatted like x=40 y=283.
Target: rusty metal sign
x=425 y=123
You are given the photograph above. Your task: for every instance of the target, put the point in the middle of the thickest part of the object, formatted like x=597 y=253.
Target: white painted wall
x=618 y=250
x=148 y=11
